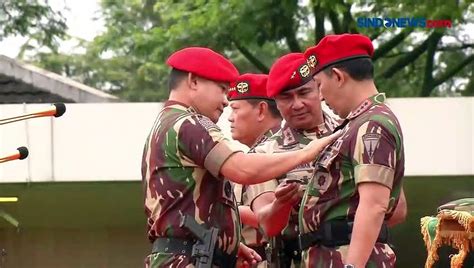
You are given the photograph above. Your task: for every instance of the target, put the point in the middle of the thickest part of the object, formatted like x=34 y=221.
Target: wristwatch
x=349 y=266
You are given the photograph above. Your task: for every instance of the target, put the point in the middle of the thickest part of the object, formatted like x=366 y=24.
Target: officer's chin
x=215 y=117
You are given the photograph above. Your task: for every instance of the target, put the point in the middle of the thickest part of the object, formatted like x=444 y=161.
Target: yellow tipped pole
x=8 y=199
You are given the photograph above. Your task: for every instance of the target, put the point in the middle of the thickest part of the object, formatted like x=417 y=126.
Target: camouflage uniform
x=371 y=147
x=289 y=139
x=252 y=237
x=180 y=168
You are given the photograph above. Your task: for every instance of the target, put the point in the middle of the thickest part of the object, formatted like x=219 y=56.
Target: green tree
x=128 y=58
x=32 y=19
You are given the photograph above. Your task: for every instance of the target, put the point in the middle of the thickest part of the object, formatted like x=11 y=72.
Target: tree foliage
x=32 y=19
x=129 y=57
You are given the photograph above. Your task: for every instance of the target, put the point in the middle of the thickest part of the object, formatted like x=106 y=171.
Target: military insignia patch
x=321 y=180
x=371 y=142
x=242 y=87
x=312 y=61
x=288 y=138
x=304 y=70
x=207 y=123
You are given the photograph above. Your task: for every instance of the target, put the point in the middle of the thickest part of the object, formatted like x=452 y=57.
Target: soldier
x=298 y=100
x=358 y=178
x=254 y=118
x=189 y=205
x=254 y=115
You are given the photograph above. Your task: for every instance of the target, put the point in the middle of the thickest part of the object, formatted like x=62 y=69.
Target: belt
x=185 y=247
x=291 y=249
x=335 y=233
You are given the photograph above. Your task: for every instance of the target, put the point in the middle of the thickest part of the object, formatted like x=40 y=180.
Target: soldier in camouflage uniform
x=186 y=158
x=358 y=178
x=298 y=100
x=253 y=119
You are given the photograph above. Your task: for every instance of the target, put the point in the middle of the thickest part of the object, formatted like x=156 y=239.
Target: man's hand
x=288 y=193
x=247 y=257
x=315 y=147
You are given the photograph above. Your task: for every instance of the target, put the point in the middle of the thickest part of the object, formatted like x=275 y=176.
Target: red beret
x=289 y=71
x=249 y=86
x=337 y=48
x=204 y=62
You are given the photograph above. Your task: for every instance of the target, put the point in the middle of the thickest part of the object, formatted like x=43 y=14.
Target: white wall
x=93 y=142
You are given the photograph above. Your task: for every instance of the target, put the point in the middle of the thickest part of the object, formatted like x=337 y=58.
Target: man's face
x=244 y=121
x=210 y=98
x=331 y=93
x=301 y=106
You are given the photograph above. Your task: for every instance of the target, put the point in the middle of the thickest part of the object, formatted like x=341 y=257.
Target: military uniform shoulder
x=383 y=115
x=378 y=119
x=197 y=120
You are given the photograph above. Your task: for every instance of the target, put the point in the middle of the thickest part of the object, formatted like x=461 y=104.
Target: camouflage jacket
x=180 y=170
x=250 y=235
x=289 y=139
x=369 y=150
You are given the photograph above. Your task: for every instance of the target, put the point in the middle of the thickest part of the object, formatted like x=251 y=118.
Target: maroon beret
x=337 y=48
x=249 y=86
x=289 y=71
x=204 y=62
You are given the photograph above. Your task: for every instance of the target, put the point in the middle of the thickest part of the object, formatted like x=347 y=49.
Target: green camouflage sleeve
x=375 y=154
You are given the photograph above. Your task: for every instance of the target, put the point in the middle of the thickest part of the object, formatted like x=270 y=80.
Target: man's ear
x=262 y=110
x=192 y=81
x=339 y=75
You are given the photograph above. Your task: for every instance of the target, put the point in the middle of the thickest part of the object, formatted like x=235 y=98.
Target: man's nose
x=297 y=103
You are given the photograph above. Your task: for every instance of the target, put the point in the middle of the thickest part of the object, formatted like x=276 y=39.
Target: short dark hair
x=272 y=107
x=175 y=77
x=358 y=69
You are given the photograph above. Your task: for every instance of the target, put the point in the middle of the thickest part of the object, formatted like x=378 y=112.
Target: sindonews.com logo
x=365 y=22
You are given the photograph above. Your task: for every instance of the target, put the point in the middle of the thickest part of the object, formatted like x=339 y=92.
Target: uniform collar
x=266 y=135
x=291 y=136
x=272 y=131
x=179 y=105
x=366 y=104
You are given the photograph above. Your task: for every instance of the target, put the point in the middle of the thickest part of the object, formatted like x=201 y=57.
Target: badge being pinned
x=371 y=143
